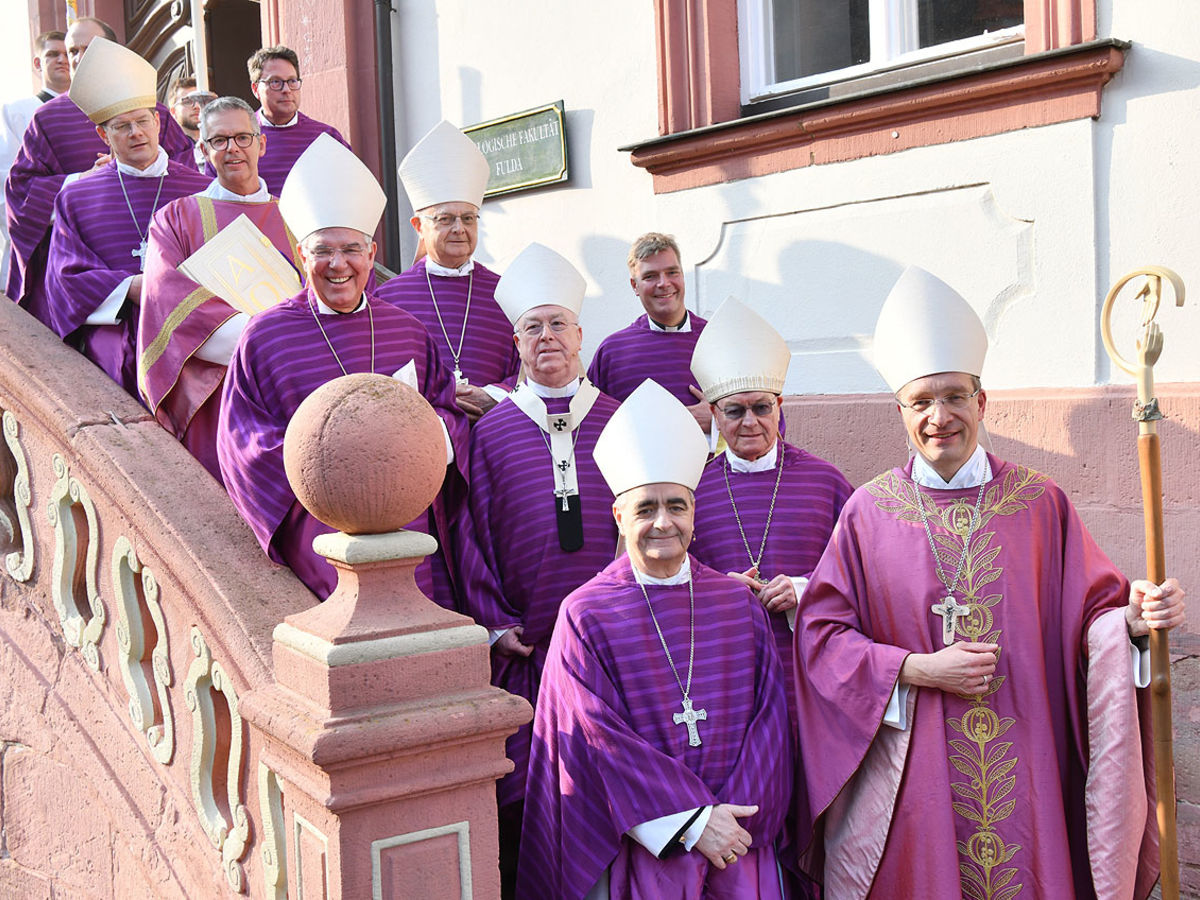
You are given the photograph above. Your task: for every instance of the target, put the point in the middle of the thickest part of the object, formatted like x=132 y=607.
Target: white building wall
x=1031 y=226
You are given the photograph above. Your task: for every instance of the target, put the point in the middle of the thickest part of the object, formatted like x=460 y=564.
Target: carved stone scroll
x=223 y=818
x=19 y=563
x=274 y=848
x=140 y=622
x=73 y=586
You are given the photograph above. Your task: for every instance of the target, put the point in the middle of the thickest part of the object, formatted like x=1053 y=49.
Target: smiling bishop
x=967 y=659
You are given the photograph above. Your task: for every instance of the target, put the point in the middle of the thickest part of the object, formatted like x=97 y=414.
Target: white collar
x=545 y=392
x=762 y=464
x=685 y=325
x=681 y=577
x=974 y=472
x=156 y=169
x=218 y=191
x=263 y=120
x=53 y=93
x=434 y=268
x=330 y=311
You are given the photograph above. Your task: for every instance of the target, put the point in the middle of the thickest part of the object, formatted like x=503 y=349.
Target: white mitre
x=538 y=277
x=651 y=439
x=445 y=166
x=739 y=351
x=926 y=327
x=111 y=80
x=330 y=187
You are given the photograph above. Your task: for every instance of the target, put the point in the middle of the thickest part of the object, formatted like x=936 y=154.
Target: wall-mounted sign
x=526 y=149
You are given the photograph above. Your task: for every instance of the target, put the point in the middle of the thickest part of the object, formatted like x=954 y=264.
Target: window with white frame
x=792 y=45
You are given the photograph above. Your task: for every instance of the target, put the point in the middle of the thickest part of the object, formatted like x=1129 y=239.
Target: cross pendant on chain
x=690 y=717
x=140 y=255
x=949 y=609
x=459 y=377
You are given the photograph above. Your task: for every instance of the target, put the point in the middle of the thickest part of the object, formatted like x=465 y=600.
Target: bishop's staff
x=1146 y=413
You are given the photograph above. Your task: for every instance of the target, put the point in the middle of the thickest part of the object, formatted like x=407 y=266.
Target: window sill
x=1040 y=89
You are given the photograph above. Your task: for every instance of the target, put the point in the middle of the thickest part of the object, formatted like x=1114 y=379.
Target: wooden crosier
x=1146 y=413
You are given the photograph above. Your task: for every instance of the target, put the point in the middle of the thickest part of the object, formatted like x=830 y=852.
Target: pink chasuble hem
x=859 y=819
x=1122 y=828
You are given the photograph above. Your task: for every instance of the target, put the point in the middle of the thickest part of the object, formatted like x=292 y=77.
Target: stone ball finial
x=365 y=454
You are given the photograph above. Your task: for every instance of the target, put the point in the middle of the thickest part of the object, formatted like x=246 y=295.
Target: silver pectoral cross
x=949 y=609
x=140 y=253
x=690 y=717
x=459 y=377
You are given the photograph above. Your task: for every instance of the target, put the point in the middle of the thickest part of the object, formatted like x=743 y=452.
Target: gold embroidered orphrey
x=986 y=761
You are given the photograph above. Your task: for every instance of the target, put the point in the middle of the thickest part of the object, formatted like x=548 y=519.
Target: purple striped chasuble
x=607 y=754
x=280 y=359
x=515 y=572
x=628 y=357
x=811 y=495
x=59 y=141
x=92 y=251
x=489 y=354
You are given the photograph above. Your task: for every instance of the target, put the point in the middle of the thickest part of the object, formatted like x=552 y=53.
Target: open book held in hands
x=242 y=267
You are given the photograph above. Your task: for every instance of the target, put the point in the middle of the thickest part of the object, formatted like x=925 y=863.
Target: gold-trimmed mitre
x=111 y=80
x=739 y=351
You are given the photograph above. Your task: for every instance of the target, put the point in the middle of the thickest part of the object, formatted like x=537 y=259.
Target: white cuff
x=73 y=177
x=495 y=391
x=106 y=312
x=655 y=834
x=798 y=585
x=221 y=343
x=896 y=714
x=449 y=443
x=494 y=634
x=1141 y=665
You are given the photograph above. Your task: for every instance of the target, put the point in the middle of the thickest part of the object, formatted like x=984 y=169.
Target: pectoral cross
x=459 y=377
x=949 y=609
x=140 y=253
x=690 y=717
x=563 y=466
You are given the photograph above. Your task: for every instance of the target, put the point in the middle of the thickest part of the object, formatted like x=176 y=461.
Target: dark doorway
x=233 y=32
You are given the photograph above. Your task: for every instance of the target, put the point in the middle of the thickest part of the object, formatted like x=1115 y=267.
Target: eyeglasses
x=445 y=220
x=326 y=254
x=736 y=411
x=276 y=84
x=197 y=100
x=952 y=402
x=142 y=123
x=535 y=329
x=221 y=141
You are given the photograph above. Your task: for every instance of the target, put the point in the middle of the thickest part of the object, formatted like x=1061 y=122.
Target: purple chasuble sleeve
x=809 y=500
x=177 y=316
x=284 y=146
x=628 y=357
x=489 y=354
x=995 y=777
x=92 y=251
x=280 y=359
x=607 y=754
x=512 y=570
x=59 y=141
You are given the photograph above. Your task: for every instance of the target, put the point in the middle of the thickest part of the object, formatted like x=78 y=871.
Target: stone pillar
x=382 y=726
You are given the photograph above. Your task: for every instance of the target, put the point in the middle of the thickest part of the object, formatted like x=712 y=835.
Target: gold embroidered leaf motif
x=1003 y=878
x=966 y=790
x=1003 y=787
x=1009 y=893
x=965 y=766
x=1004 y=768
x=967 y=812
x=1004 y=811
x=996 y=752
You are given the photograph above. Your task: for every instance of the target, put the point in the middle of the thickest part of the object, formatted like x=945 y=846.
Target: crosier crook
x=1146 y=413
